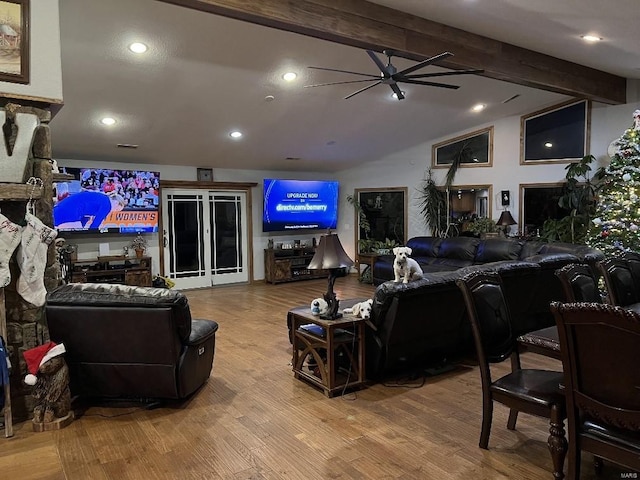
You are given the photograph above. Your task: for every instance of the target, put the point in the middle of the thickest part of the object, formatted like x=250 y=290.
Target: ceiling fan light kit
x=389 y=74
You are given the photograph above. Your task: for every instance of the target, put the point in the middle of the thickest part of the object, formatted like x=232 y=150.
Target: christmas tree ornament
x=626 y=177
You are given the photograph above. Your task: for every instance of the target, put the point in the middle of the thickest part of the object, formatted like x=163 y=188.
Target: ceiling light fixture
x=138 y=47
x=290 y=76
x=108 y=121
x=235 y=134
x=479 y=107
x=394 y=95
x=548 y=144
x=591 y=38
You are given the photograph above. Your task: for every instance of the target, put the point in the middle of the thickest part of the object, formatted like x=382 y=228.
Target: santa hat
x=36 y=357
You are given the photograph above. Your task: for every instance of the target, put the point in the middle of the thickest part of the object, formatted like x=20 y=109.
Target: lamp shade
x=506 y=219
x=330 y=254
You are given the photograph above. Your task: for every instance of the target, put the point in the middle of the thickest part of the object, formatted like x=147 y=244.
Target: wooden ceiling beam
x=363 y=24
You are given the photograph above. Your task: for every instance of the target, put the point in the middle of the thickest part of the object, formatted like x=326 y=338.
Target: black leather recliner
x=130 y=342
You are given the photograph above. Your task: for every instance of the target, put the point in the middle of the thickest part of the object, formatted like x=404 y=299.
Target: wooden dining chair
x=619 y=281
x=531 y=391
x=600 y=347
x=579 y=283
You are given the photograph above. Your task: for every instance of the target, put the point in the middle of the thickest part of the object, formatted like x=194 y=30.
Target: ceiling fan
x=389 y=75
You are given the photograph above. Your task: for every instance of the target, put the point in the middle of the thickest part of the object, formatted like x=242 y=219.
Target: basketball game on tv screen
x=107 y=200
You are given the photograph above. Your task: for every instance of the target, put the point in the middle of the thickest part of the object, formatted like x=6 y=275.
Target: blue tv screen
x=299 y=205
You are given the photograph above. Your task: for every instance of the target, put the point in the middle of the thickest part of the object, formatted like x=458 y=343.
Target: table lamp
x=331 y=256
x=505 y=221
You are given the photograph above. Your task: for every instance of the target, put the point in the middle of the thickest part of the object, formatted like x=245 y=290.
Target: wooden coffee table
x=344 y=335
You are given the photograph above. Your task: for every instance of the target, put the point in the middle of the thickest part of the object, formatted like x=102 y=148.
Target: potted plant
x=483 y=226
x=139 y=244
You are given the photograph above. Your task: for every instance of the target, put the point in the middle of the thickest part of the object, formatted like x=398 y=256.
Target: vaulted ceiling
x=207 y=74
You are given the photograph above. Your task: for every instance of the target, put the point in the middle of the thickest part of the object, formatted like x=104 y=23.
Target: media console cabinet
x=125 y=270
x=289 y=264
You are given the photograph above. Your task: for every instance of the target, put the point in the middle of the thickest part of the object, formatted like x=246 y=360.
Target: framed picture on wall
x=556 y=134
x=14 y=41
x=473 y=149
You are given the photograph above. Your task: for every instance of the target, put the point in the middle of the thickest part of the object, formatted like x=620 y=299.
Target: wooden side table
x=367 y=259
x=344 y=335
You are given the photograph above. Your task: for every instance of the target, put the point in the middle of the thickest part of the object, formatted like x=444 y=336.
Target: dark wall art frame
x=14 y=41
x=558 y=134
x=474 y=149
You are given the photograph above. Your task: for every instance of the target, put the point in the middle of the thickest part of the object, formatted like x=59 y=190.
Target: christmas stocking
x=32 y=259
x=10 y=235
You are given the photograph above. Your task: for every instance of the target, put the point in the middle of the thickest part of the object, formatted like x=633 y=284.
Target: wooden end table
x=344 y=335
x=367 y=259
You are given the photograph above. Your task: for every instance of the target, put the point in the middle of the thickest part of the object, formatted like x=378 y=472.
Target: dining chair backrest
x=489 y=315
x=579 y=283
x=633 y=260
x=619 y=281
x=600 y=347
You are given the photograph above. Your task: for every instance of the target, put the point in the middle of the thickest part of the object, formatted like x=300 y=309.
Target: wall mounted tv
x=99 y=200
x=299 y=205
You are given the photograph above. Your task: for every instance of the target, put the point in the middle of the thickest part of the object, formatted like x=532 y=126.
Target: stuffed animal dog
x=319 y=306
x=362 y=309
x=404 y=267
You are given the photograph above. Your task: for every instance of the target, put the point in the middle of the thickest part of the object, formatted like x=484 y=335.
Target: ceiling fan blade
x=339 y=83
x=345 y=71
x=363 y=89
x=426 y=62
x=378 y=62
x=444 y=74
x=397 y=91
x=431 y=84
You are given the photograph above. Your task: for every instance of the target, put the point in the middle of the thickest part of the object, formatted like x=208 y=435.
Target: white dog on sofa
x=404 y=267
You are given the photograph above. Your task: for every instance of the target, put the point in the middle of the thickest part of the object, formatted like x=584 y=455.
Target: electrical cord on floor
x=353 y=396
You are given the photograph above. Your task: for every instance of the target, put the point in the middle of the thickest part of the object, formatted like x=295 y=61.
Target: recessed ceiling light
x=548 y=144
x=138 y=47
x=235 y=134
x=269 y=98
x=290 y=76
x=479 y=107
x=591 y=38
x=108 y=121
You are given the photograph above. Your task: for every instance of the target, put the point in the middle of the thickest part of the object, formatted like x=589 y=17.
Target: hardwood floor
x=253 y=420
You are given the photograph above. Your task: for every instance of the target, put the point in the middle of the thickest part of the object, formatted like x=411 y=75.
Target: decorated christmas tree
x=616 y=223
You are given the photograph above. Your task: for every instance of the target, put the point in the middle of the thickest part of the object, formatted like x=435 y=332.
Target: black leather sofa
x=447 y=254
x=130 y=342
x=425 y=322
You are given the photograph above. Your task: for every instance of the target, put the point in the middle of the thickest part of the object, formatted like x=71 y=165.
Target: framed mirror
x=382 y=223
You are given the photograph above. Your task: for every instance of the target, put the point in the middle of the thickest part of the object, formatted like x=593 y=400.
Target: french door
x=205 y=237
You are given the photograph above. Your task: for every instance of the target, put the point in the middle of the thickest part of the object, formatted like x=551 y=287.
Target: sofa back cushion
x=424 y=246
x=497 y=250
x=125 y=297
x=460 y=248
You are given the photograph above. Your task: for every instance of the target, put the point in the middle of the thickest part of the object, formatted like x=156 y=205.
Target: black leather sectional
x=425 y=322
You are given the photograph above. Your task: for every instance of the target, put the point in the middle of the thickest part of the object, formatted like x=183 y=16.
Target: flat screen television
x=100 y=200
x=299 y=205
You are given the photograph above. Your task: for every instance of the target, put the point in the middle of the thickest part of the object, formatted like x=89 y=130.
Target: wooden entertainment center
x=289 y=265
x=114 y=269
